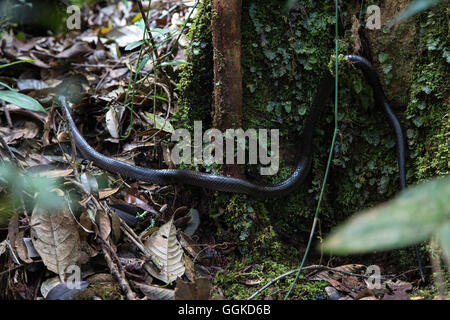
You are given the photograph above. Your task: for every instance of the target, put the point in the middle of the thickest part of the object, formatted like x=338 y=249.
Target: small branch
x=10 y=153
x=313 y=267
x=147 y=26
x=12 y=269
x=7 y=115
x=133 y=237
x=115 y=270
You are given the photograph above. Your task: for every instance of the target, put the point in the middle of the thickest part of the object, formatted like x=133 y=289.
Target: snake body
x=237 y=185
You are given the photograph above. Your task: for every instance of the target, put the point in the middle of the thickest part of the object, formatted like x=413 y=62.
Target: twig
x=147 y=26
x=10 y=153
x=133 y=237
x=87 y=65
x=74 y=151
x=115 y=270
x=7 y=115
x=412 y=270
x=313 y=267
x=12 y=269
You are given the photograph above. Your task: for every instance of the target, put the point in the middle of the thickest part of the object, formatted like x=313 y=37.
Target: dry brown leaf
x=78 y=49
x=103 y=224
x=200 y=289
x=397 y=290
x=190 y=245
x=85 y=226
x=21 y=249
x=166 y=254
x=112 y=119
x=56 y=239
x=155 y=293
x=115 y=226
x=189 y=265
x=56 y=173
x=13 y=228
x=105 y=193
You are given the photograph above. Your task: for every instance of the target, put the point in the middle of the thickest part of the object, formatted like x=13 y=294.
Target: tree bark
x=226 y=30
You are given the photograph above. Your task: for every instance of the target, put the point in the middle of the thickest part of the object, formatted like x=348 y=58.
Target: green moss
x=101 y=290
x=197 y=77
x=428 y=111
x=248 y=220
x=240 y=284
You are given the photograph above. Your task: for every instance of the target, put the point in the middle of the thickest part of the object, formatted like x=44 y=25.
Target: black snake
x=237 y=185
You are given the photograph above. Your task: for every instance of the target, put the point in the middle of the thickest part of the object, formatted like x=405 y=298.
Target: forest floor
x=132 y=240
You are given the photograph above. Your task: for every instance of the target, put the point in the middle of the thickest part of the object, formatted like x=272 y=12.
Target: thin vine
x=330 y=157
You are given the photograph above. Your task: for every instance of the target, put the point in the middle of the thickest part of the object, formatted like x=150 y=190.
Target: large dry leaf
x=125 y=35
x=166 y=254
x=155 y=293
x=78 y=49
x=55 y=237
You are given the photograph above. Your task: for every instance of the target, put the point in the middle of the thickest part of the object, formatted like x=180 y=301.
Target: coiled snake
x=237 y=185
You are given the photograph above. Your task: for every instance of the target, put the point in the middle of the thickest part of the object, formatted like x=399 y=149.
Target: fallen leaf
x=21 y=249
x=112 y=123
x=56 y=239
x=103 y=223
x=154 y=292
x=200 y=289
x=56 y=173
x=13 y=228
x=105 y=193
x=78 y=49
x=166 y=254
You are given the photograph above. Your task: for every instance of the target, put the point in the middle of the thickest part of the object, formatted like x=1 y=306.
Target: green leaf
x=414 y=8
x=15 y=62
x=143 y=63
x=21 y=100
x=160 y=123
x=173 y=63
x=387 y=68
x=444 y=240
x=162 y=31
x=6 y=86
x=134 y=45
x=382 y=57
x=413 y=216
